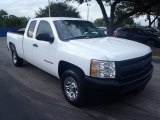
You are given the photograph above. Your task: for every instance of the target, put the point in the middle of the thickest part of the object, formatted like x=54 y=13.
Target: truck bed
x=18 y=32
x=16 y=38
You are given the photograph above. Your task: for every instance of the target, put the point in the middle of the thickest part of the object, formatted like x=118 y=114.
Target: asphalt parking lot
x=32 y=94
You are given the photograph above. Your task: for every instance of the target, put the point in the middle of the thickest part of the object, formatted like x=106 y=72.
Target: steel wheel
x=71 y=88
x=14 y=57
x=17 y=61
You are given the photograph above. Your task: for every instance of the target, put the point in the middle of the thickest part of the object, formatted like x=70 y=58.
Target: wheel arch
x=12 y=46
x=64 y=65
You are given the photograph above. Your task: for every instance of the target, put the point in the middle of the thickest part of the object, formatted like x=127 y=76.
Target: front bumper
x=114 y=85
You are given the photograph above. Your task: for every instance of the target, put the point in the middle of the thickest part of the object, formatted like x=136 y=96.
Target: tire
x=73 y=87
x=17 y=61
x=151 y=43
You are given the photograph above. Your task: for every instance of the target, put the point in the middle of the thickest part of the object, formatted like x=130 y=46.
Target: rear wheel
x=17 y=61
x=73 y=87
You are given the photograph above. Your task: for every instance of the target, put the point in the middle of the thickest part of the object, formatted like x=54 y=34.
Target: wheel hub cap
x=14 y=57
x=71 y=88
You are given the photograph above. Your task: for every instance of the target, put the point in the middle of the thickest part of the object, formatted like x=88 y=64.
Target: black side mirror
x=45 y=37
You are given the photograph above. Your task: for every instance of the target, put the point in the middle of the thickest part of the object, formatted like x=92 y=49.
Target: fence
x=3 y=31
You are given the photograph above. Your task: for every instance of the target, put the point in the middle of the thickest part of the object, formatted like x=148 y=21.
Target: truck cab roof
x=57 y=18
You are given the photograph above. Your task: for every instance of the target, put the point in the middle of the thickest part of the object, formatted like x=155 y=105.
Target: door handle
x=35 y=45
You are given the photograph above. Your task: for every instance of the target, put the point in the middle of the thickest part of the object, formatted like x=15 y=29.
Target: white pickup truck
x=76 y=52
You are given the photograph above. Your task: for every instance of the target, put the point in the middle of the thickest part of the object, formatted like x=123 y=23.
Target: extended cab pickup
x=76 y=52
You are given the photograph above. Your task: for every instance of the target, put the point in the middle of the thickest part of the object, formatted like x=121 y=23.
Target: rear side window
x=128 y=30
x=123 y=30
x=31 y=29
x=132 y=30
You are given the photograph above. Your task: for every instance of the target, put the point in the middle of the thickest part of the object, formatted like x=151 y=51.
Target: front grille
x=130 y=70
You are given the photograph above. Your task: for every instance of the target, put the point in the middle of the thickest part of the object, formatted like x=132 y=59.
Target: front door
x=44 y=49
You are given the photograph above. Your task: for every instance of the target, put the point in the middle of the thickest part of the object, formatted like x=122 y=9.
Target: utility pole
x=49 y=8
x=88 y=11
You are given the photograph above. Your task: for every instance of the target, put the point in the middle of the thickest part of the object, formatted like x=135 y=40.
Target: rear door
x=28 y=42
x=122 y=33
x=138 y=35
x=131 y=33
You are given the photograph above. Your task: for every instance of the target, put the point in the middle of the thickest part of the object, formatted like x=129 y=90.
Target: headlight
x=102 y=69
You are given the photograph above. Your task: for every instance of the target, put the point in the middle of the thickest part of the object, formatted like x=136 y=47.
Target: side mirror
x=45 y=37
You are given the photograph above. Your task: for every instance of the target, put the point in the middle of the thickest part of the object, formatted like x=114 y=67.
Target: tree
x=16 y=22
x=12 y=20
x=152 y=12
x=126 y=22
x=128 y=8
x=58 y=10
x=99 y=22
x=2 y=15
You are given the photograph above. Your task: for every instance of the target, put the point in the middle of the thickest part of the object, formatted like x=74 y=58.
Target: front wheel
x=73 y=87
x=17 y=61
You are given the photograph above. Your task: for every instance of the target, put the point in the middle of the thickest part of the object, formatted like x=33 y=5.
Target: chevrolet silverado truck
x=77 y=53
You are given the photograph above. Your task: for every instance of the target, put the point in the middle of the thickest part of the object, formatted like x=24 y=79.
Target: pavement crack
x=90 y=115
x=136 y=107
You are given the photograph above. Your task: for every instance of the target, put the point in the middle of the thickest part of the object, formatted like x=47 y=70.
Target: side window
x=133 y=30
x=123 y=30
x=45 y=29
x=31 y=29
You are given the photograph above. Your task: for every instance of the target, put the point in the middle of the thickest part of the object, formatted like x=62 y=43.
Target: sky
x=27 y=8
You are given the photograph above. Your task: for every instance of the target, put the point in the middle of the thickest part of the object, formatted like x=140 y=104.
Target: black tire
x=151 y=43
x=17 y=61
x=74 y=88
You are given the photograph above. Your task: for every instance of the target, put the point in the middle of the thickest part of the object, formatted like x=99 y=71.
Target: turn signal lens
x=93 y=68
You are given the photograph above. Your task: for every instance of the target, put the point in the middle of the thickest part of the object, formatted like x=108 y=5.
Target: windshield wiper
x=78 y=37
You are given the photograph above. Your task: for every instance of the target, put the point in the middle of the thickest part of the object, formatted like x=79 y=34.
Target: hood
x=154 y=34
x=114 y=49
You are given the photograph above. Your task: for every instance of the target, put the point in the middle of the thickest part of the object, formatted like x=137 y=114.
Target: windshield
x=76 y=29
